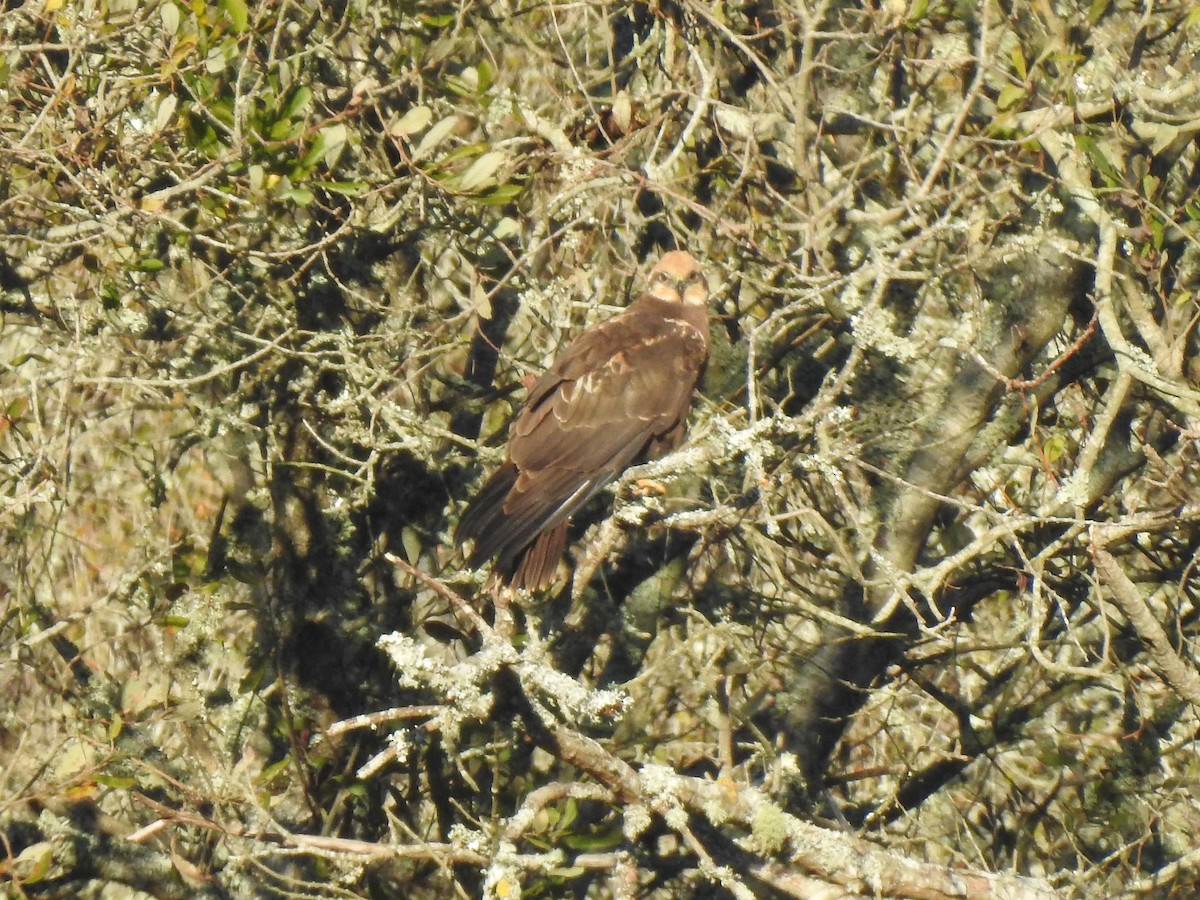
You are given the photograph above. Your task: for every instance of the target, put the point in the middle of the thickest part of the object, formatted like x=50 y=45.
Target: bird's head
x=678 y=279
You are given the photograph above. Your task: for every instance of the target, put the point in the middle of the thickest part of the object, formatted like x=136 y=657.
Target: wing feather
x=618 y=393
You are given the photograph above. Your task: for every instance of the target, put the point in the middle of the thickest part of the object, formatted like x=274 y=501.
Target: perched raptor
x=618 y=395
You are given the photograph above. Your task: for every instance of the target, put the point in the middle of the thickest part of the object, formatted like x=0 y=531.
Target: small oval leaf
x=334 y=141
x=298 y=102
x=416 y=119
x=166 y=112
x=480 y=172
x=435 y=136
x=236 y=12
x=170 y=17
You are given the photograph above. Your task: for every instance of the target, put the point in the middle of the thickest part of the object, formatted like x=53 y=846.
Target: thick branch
x=1169 y=664
x=835 y=858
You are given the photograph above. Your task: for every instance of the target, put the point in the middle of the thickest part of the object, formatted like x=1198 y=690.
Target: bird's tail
x=535 y=565
x=485 y=513
x=532 y=566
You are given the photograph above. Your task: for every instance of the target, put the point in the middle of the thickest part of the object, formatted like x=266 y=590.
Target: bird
x=618 y=395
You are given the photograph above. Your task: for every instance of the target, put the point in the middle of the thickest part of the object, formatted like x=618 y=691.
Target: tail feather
x=484 y=515
x=523 y=561
x=537 y=563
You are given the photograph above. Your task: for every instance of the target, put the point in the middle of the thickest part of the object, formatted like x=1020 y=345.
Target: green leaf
x=480 y=173
x=166 y=112
x=222 y=110
x=1055 y=448
x=214 y=61
x=1019 y=64
x=298 y=102
x=33 y=863
x=1164 y=135
x=1010 y=96
x=569 y=814
x=274 y=769
x=150 y=264
x=435 y=136
x=299 y=196
x=486 y=77
x=283 y=130
x=253 y=679
x=20 y=359
x=332 y=141
x=505 y=227
x=416 y=119
x=1156 y=232
x=501 y=195
x=410 y=537
x=917 y=13
x=466 y=151
x=460 y=86
x=120 y=782
x=345 y=188
x=169 y=13
x=1098 y=158
x=236 y=12
x=596 y=841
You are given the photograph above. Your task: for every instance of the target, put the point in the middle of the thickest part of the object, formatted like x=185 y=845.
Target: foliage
x=917 y=604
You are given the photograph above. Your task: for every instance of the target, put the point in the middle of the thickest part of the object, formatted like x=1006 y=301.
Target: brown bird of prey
x=618 y=395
